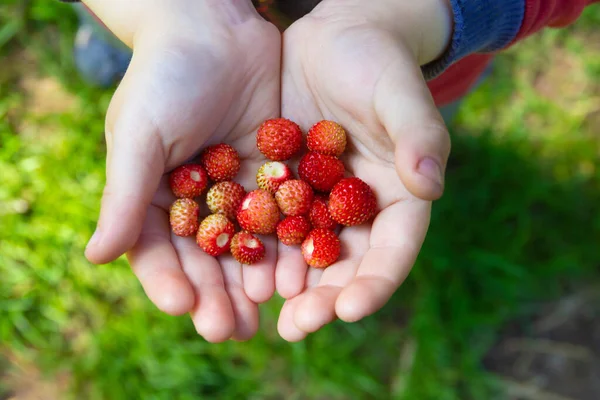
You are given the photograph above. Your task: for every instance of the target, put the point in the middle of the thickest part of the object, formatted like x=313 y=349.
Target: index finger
x=396 y=238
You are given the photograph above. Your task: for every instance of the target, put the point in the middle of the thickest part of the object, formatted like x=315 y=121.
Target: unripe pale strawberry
x=225 y=198
x=183 y=217
x=271 y=175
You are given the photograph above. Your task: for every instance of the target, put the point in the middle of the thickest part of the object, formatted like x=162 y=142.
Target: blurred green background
x=503 y=302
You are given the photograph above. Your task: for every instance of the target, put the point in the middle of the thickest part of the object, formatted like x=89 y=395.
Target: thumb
x=407 y=111
x=134 y=166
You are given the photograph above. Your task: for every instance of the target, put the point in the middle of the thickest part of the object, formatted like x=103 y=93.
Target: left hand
x=360 y=67
x=203 y=72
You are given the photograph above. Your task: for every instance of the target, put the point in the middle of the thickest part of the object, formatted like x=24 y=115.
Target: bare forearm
x=425 y=25
x=127 y=19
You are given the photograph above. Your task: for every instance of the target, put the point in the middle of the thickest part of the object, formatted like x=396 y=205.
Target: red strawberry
x=221 y=161
x=247 y=248
x=225 y=198
x=321 y=248
x=214 y=234
x=272 y=174
x=326 y=137
x=188 y=181
x=258 y=212
x=183 y=217
x=293 y=230
x=294 y=197
x=352 y=202
x=279 y=139
x=319 y=214
x=321 y=171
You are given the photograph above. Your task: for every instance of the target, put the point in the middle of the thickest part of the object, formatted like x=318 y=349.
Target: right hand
x=203 y=72
x=358 y=63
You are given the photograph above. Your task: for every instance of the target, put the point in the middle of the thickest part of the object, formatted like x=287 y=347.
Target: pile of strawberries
x=313 y=206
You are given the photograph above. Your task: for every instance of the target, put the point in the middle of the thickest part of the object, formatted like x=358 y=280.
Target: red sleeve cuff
x=550 y=13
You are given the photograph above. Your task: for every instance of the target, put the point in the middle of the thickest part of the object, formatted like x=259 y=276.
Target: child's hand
x=357 y=62
x=203 y=72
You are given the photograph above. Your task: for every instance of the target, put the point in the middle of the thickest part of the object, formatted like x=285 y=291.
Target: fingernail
x=95 y=239
x=429 y=168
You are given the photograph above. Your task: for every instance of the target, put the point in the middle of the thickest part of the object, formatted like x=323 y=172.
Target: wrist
x=130 y=19
x=434 y=30
x=425 y=25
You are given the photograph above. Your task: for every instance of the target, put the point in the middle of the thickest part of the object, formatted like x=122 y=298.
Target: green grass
x=517 y=225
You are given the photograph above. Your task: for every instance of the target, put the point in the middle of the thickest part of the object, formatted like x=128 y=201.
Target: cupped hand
x=203 y=72
x=359 y=64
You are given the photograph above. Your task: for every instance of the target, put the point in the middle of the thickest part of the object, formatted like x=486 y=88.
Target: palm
x=339 y=81
x=222 y=99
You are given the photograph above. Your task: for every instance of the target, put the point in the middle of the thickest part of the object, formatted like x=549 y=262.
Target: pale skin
x=208 y=71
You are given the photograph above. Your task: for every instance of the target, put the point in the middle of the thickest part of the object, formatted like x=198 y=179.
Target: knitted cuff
x=480 y=26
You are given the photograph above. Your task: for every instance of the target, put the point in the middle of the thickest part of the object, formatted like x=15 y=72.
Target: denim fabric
x=101 y=58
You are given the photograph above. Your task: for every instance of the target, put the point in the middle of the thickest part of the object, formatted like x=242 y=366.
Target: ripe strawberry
x=279 y=139
x=221 y=161
x=322 y=172
x=247 y=248
x=188 y=181
x=225 y=198
x=321 y=248
x=327 y=137
x=294 y=197
x=352 y=202
x=214 y=234
x=183 y=217
x=258 y=212
x=293 y=230
x=319 y=214
x=272 y=174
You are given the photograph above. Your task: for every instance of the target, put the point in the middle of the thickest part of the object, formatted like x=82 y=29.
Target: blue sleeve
x=479 y=26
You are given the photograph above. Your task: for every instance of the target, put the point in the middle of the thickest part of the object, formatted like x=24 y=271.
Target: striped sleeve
x=487 y=26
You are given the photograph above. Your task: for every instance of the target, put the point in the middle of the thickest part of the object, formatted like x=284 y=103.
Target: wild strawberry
x=327 y=137
x=272 y=174
x=319 y=214
x=258 y=212
x=183 y=217
x=293 y=230
x=221 y=161
x=352 y=202
x=214 y=234
x=247 y=248
x=188 y=181
x=225 y=198
x=321 y=248
x=279 y=139
x=322 y=172
x=294 y=197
